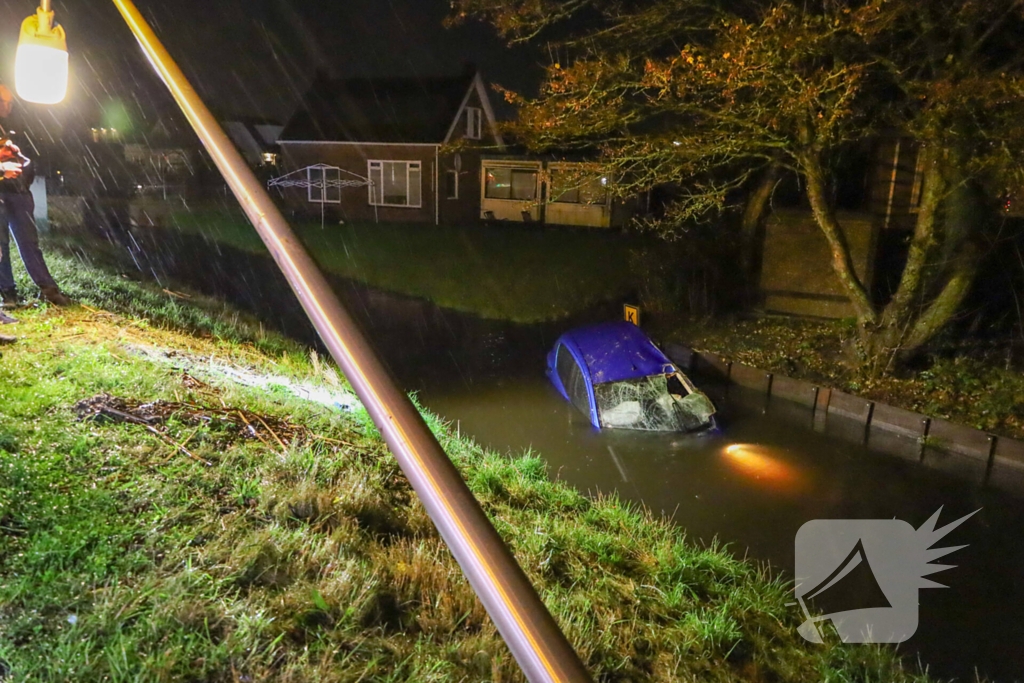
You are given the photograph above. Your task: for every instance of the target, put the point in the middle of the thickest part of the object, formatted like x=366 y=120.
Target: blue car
x=618 y=378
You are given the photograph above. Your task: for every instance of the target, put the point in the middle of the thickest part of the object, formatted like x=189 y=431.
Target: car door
x=573 y=381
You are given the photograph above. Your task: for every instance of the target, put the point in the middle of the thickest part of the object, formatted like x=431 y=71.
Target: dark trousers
x=18 y=219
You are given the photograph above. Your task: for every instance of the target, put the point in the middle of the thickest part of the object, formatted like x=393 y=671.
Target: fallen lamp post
x=531 y=633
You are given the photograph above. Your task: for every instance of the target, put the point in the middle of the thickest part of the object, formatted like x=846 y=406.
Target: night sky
x=252 y=57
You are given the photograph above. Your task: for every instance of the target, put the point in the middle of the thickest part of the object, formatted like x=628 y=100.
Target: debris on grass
x=228 y=422
x=334 y=395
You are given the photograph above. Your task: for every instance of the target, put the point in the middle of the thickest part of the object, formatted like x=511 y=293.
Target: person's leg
x=6 y=274
x=8 y=290
x=20 y=210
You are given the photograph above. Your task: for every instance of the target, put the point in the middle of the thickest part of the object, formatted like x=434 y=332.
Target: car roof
x=617 y=351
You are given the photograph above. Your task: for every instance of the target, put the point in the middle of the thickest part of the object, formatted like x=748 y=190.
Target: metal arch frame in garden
x=300 y=178
x=532 y=635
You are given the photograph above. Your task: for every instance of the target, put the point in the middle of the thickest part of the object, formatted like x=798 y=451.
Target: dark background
x=252 y=58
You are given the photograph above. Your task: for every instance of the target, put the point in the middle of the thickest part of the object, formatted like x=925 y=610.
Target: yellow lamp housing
x=41 y=65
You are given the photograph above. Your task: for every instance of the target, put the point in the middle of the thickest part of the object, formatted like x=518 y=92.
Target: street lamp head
x=41 y=65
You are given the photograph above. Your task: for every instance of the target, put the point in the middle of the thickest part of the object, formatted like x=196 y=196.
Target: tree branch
x=754 y=213
x=996 y=25
x=924 y=238
x=948 y=300
x=842 y=262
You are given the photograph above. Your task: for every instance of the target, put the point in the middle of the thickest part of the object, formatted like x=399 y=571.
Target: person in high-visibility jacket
x=18 y=209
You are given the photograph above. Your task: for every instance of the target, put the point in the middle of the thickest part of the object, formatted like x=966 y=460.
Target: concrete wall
x=964 y=452
x=797 y=276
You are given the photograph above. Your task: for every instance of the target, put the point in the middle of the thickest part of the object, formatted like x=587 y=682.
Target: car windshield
x=648 y=404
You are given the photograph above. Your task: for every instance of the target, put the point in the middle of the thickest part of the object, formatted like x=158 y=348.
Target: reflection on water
x=759 y=462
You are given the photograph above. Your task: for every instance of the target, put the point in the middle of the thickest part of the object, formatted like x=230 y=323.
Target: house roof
x=253 y=139
x=617 y=351
x=411 y=110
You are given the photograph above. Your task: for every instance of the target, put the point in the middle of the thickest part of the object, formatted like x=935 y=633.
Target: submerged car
x=618 y=378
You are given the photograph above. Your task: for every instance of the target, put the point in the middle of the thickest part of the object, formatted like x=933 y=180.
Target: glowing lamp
x=41 y=65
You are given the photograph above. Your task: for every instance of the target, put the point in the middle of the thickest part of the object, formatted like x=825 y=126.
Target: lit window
x=324 y=185
x=396 y=183
x=474 y=123
x=569 y=188
x=511 y=183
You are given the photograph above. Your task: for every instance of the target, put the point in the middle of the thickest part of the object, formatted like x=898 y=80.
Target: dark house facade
x=408 y=150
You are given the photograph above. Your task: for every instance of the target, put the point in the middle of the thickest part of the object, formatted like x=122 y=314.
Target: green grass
x=509 y=273
x=123 y=560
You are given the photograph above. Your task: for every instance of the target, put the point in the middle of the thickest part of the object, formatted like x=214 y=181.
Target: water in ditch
x=751 y=485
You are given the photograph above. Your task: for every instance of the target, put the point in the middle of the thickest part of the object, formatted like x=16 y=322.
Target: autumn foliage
x=711 y=98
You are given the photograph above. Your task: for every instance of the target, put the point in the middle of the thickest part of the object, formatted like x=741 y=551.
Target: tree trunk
x=753 y=218
x=945 y=305
x=842 y=262
x=941 y=266
x=923 y=242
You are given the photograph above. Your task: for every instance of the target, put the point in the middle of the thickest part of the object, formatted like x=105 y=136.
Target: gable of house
x=390 y=110
x=253 y=138
x=475 y=119
x=410 y=111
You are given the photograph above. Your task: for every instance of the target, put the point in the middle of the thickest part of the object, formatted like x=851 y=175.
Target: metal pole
x=530 y=631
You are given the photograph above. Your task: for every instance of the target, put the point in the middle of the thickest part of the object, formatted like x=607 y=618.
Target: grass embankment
x=974 y=390
x=123 y=559
x=508 y=273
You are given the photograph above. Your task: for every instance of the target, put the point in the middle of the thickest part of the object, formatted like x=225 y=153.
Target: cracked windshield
x=512 y=340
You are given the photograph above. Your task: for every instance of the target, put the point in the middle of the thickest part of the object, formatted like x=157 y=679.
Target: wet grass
x=515 y=273
x=121 y=559
x=147 y=306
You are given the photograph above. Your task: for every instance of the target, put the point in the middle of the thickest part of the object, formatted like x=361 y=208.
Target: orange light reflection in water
x=757 y=462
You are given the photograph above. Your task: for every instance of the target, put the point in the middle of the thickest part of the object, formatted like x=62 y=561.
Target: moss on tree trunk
x=941 y=264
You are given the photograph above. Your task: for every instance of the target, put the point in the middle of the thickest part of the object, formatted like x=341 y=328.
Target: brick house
x=416 y=143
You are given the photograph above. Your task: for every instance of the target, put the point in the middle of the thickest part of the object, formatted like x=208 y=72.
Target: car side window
x=572 y=379
x=675 y=386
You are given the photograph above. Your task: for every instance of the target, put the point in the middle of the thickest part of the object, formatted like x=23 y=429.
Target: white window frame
x=409 y=165
x=325 y=197
x=452 y=175
x=474 y=123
